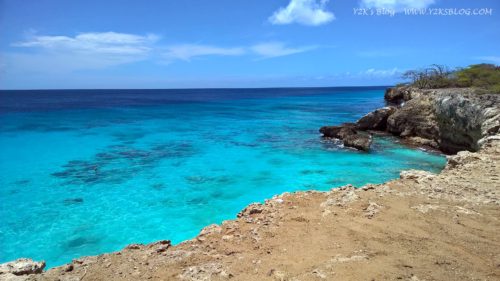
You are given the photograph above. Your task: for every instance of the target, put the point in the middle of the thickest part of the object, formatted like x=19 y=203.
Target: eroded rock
x=415 y=118
x=451 y=119
x=22 y=266
x=375 y=120
x=372 y=209
x=338 y=132
x=461 y=158
x=358 y=141
x=465 y=118
x=416 y=175
x=254 y=208
x=349 y=135
x=204 y=272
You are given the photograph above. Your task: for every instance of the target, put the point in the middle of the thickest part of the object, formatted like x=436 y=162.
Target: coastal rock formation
x=349 y=135
x=358 y=141
x=415 y=118
x=20 y=269
x=465 y=119
x=375 y=120
x=338 y=132
x=397 y=95
x=423 y=226
x=451 y=120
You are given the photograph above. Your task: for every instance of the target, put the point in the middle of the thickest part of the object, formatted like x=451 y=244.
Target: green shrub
x=481 y=76
x=485 y=76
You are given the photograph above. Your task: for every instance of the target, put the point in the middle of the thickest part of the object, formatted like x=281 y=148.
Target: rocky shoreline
x=450 y=120
x=422 y=226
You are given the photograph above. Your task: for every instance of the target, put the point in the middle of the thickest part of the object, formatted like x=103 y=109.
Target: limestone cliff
x=450 y=119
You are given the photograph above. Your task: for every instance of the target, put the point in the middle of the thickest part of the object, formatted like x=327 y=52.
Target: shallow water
x=87 y=172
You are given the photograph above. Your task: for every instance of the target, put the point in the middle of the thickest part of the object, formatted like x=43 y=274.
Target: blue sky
x=49 y=44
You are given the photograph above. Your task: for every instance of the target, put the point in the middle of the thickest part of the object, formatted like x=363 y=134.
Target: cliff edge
x=451 y=120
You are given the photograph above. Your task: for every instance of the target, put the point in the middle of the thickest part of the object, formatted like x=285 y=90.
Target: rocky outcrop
x=358 y=141
x=465 y=120
x=338 y=132
x=451 y=119
x=20 y=269
x=399 y=95
x=349 y=135
x=352 y=134
x=415 y=118
x=375 y=120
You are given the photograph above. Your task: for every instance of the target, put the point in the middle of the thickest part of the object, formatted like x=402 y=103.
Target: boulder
x=399 y=95
x=349 y=135
x=22 y=266
x=358 y=141
x=393 y=95
x=338 y=132
x=396 y=95
x=460 y=159
x=375 y=120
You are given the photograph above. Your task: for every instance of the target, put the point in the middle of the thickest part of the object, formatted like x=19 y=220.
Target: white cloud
x=381 y=72
x=307 y=12
x=92 y=50
x=188 y=51
x=277 y=49
x=397 y=5
x=491 y=59
x=94 y=42
x=99 y=50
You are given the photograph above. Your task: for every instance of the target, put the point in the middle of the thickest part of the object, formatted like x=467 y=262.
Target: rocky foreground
x=422 y=226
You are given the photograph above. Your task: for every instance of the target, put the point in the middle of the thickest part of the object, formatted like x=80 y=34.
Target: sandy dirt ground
x=420 y=227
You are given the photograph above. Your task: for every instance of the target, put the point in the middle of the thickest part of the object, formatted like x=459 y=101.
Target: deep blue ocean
x=85 y=172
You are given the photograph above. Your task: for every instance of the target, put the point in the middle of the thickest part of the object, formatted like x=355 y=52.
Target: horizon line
x=196 y=88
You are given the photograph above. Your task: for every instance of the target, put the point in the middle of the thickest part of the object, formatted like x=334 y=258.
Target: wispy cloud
x=306 y=12
x=381 y=72
x=188 y=51
x=491 y=59
x=98 y=50
x=397 y=4
x=91 y=50
x=94 y=42
x=278 y=49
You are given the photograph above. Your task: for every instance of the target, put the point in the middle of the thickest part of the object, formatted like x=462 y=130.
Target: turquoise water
x=87 y=172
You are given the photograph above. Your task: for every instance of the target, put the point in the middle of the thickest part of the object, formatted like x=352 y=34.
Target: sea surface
x=83 y=172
